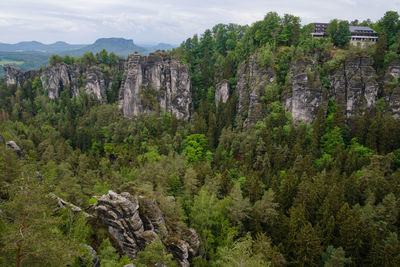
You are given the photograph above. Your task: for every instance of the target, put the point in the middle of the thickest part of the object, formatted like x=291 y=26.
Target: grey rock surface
x=354 y=85
x=135 y=222
x=304 y=94
x=252 y=80
x=156 y=82
x=12 y=145
x=222 y=92
x=95 y=259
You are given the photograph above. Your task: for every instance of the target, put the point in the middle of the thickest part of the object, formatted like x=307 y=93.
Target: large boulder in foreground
x=133 y=226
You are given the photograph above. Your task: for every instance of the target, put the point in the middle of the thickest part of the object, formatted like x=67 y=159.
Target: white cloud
x=173 y=21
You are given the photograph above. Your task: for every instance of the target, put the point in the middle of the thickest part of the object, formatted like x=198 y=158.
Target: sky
x=154 y=21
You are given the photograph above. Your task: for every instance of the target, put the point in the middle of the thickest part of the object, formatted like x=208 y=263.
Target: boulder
x=12 y=145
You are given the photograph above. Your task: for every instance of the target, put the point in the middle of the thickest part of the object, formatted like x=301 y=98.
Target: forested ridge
x=270 y=193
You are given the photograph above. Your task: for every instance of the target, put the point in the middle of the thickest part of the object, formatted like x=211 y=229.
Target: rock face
x=392 y=90
x=13 y=75
x=150 y=83
x=155 y=82
x=136 y=222
x=305 y=93
x=252 y=81
x=95 y=258
x=222 y=92
x=14 y=147
x=352 y=83
x=56 y=78
x=354 y=86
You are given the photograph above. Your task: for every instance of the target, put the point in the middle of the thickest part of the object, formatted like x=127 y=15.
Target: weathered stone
x=252 y=81
x=95 y=259
x=305 y=93
x=155 y=82
x=392 y=88
x=179 y=250
x=134 y=223
x=62 y=204
x=120 y=215
x=13 y=76
x=394 y=69
x=354 y=86
x=14 y=147
x=222 y=92
x=152 y=213
x=56 y=78
x=95 y=84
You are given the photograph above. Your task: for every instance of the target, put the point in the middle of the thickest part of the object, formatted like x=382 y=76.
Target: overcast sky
x=153 y=21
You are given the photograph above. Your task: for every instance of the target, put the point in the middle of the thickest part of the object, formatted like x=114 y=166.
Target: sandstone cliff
x=304 y=93
x=150 y=83
x=56 y=78
x=222 y=92
x=352 y=83
x=153 y=83
x=252 y=80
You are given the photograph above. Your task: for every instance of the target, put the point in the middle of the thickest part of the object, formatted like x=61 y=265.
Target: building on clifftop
x=360 y=35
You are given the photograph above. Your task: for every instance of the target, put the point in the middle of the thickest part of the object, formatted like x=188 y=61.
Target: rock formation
x=95 y=259
x=14 y=147
x=392 y=88
x=150 y=83
x=305 y=93
x=155 y=82
x=62 y=204
x=135 y=222
x=252 y=80
x=222 y=92
x=354 y=85
x=56 y=78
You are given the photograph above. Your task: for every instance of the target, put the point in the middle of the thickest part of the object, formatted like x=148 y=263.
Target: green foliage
x=339 y=32
x=195 y=148
x=154 y=255
x=331 y=140
x=275 y=193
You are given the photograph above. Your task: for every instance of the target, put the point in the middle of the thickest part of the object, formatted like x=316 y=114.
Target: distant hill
x=34 y=46
x=33 y=55
x=119 y=46
x=24 y=60
x=160 y=46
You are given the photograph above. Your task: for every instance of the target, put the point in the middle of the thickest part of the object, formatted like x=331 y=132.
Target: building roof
x=361 y=29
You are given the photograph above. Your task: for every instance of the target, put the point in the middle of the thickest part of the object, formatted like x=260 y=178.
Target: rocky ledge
x=134 y=222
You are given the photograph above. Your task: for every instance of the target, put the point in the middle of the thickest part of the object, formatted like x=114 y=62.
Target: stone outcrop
x=120 y=215
x=155 y=82
x=13 y=75
x=222 y=92
x=56 y=78
x=12 y=145
x=252 y=81
x=305 y=93
x=95 y=258
x=150 y=83
x=353 y=83
x=354 y=86
x=392 y=88
x=135 y=222
x=62 y=204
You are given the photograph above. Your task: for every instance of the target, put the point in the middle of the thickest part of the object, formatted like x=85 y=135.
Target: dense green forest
x=271 y=194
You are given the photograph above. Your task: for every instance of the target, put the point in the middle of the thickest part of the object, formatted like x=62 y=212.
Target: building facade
x=360 y=35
